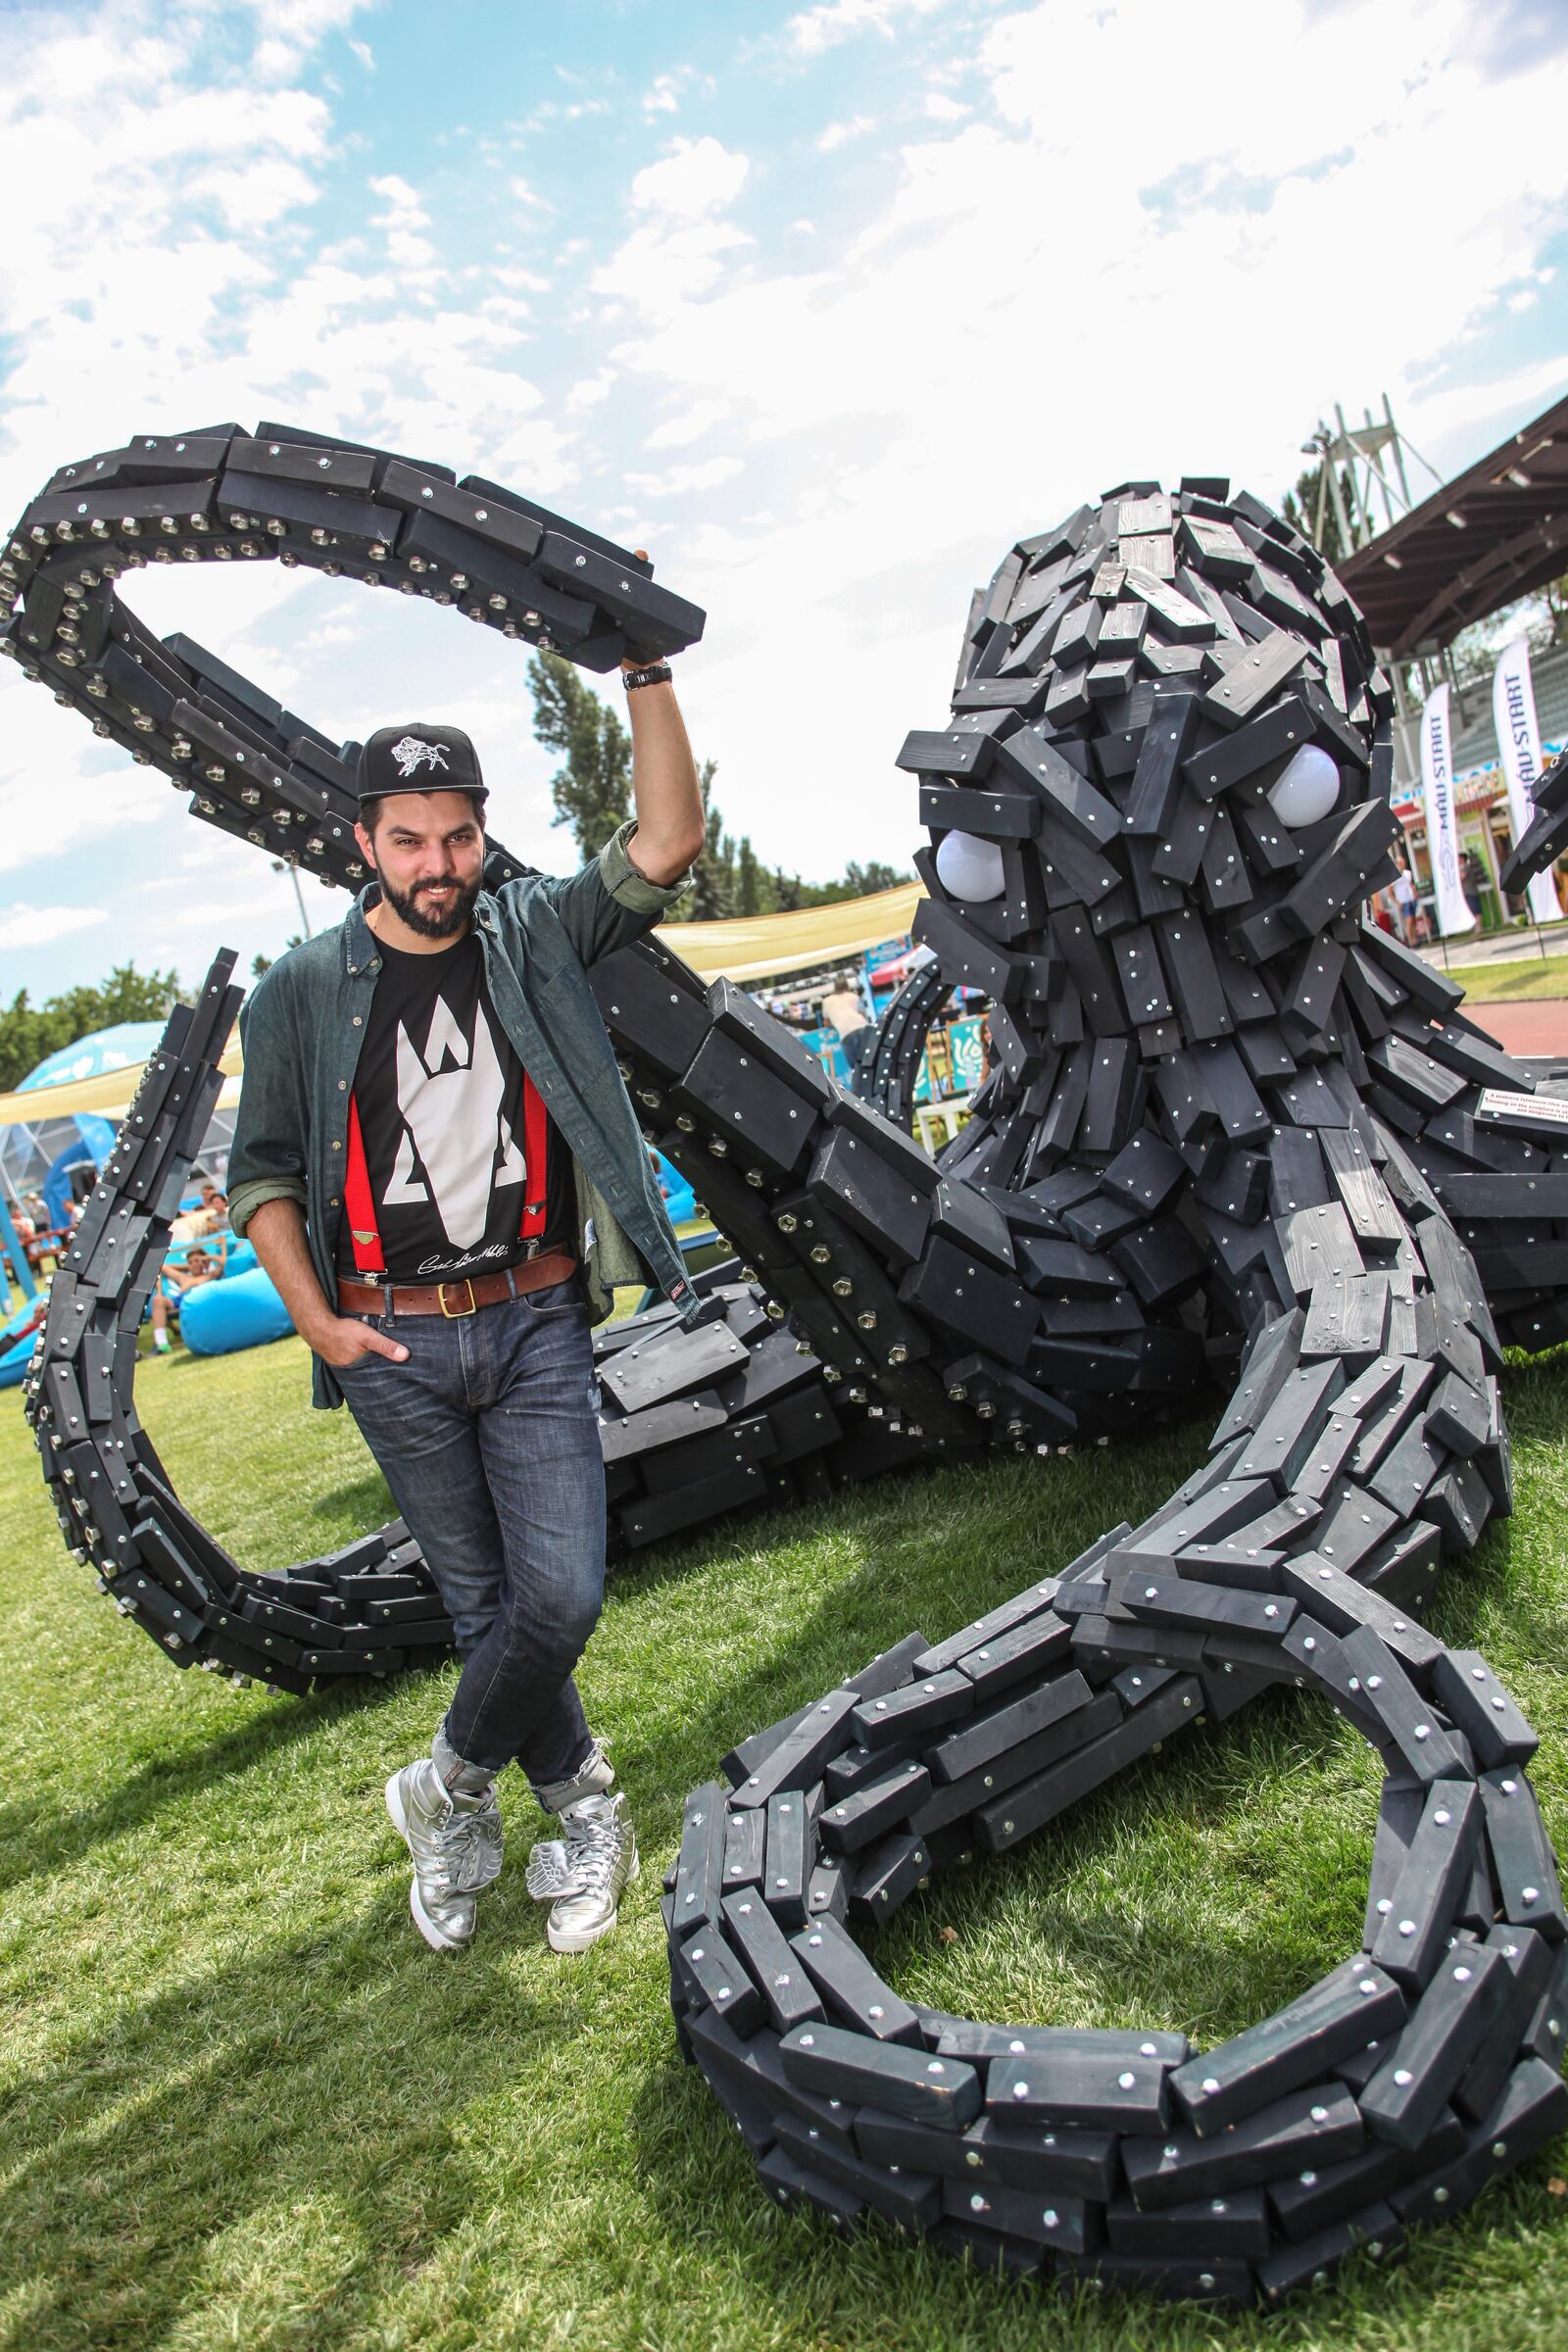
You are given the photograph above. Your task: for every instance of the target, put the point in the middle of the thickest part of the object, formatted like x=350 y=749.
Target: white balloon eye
x=1307 y=789
x=971 y=868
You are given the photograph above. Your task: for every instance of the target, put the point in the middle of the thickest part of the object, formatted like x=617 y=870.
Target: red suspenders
x=535 y=1145
x=360 y=1203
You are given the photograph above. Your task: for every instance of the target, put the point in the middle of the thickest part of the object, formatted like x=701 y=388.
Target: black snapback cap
x=418 y=758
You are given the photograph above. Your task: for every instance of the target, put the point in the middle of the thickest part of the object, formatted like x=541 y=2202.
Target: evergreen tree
x=753 y=893
x=1300 y=508
x=712 y=894
x=863 y=881
x=592 y=788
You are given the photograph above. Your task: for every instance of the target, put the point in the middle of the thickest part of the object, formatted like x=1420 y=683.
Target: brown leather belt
x=455 y=1299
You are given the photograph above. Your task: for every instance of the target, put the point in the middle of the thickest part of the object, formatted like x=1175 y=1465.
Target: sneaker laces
x=593 y=1847
x=461 y=1842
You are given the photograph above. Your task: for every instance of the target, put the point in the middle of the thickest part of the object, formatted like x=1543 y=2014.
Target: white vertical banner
x=1513 y=712
x=1442 y=837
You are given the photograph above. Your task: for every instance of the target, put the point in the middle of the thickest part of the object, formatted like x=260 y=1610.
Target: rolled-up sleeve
x=610 y=903
x=269 y=1158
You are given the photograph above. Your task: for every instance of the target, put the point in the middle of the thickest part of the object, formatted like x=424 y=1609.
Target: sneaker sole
x=578 y=1939
x=434 y=1936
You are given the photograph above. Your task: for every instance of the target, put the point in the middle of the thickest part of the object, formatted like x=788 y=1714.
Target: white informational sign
x=1496 y=1103
x=1513 y=712
x=1442 y=833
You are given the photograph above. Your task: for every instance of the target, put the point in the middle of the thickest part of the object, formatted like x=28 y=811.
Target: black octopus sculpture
x=1234 y=1131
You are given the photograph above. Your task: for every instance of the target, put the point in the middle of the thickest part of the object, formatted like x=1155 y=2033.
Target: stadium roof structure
x=1492 y=534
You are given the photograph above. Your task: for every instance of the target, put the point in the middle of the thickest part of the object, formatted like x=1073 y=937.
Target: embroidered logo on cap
x=412 y=754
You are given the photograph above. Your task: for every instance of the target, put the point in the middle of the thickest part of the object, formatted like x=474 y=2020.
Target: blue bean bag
x=19 y=1334
x=240 y=1311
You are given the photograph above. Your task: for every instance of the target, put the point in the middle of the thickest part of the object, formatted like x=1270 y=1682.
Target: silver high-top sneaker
x=581 y=1875
x=455 y=1839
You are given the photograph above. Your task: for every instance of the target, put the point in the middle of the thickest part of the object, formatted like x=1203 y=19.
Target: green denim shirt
x=304 y=1024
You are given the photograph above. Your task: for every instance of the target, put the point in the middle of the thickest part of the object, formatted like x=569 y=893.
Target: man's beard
x=444 y=921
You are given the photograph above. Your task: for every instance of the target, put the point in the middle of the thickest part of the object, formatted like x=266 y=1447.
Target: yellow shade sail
x=106 y=1097
x=754 y=947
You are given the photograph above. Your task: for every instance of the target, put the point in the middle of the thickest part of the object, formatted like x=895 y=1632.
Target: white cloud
x=697 y=177
x=292 y=29
x=839 y=134
x=943 y=109
x=59 y=788
x=668 y=92
x=676 y=253
x=407 y=251
x=24 y=926
x=815 y=29
x=1462 y=406
x=678 y=481
x=705 y=416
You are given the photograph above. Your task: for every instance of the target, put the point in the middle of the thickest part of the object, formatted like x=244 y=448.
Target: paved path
x=1498 y=947
x=1536 y=1026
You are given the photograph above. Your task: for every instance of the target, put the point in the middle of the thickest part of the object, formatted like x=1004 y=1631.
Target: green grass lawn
x=1512 y=981
x=242 y=2105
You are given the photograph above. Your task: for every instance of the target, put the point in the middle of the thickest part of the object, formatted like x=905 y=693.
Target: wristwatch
x=653 y=673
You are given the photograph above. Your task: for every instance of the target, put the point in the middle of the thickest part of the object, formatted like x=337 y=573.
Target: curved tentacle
x=886 y=1077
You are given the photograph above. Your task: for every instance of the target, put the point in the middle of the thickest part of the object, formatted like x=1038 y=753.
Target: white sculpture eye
x=1308 y=787
x=971 y=868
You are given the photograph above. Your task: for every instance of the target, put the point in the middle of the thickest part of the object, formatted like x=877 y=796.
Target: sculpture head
x=1168 y=719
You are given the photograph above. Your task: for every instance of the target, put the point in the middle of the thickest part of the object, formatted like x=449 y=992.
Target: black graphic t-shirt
x=439 y=1096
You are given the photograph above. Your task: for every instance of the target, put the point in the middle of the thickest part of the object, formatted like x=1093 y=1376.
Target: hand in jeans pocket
x=355 y=1340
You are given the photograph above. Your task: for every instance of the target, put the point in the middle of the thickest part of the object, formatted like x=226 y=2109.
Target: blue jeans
x=488 y=1437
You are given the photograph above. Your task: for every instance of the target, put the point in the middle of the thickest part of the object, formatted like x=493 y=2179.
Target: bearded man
x=441 y=1170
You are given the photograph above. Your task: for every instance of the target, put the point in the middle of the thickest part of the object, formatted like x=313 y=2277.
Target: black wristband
x=656 y=673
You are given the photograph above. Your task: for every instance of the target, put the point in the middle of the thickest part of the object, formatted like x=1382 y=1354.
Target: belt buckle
x=454 y=1314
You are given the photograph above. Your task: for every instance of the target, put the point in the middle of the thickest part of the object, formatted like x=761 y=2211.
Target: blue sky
x=825 y=304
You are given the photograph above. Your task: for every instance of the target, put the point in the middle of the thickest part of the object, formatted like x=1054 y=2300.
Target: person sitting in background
x=844 y=1009
x=200 y=1266
x=197 y=1224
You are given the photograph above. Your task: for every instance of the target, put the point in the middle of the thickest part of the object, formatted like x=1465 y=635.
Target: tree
x=592 y=788
x=713 y=877
x=29 y=1033
x=751 y=881
x=863 y=881
x=1541 y=618
x=1300 y=508
x=1554 y=596
x=263 y=964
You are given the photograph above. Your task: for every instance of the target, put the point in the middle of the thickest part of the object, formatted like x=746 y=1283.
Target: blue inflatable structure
x=16 y=1334
x=242 y=1311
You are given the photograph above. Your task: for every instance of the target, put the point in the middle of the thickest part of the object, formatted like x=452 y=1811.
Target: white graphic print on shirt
x=450 y=1102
